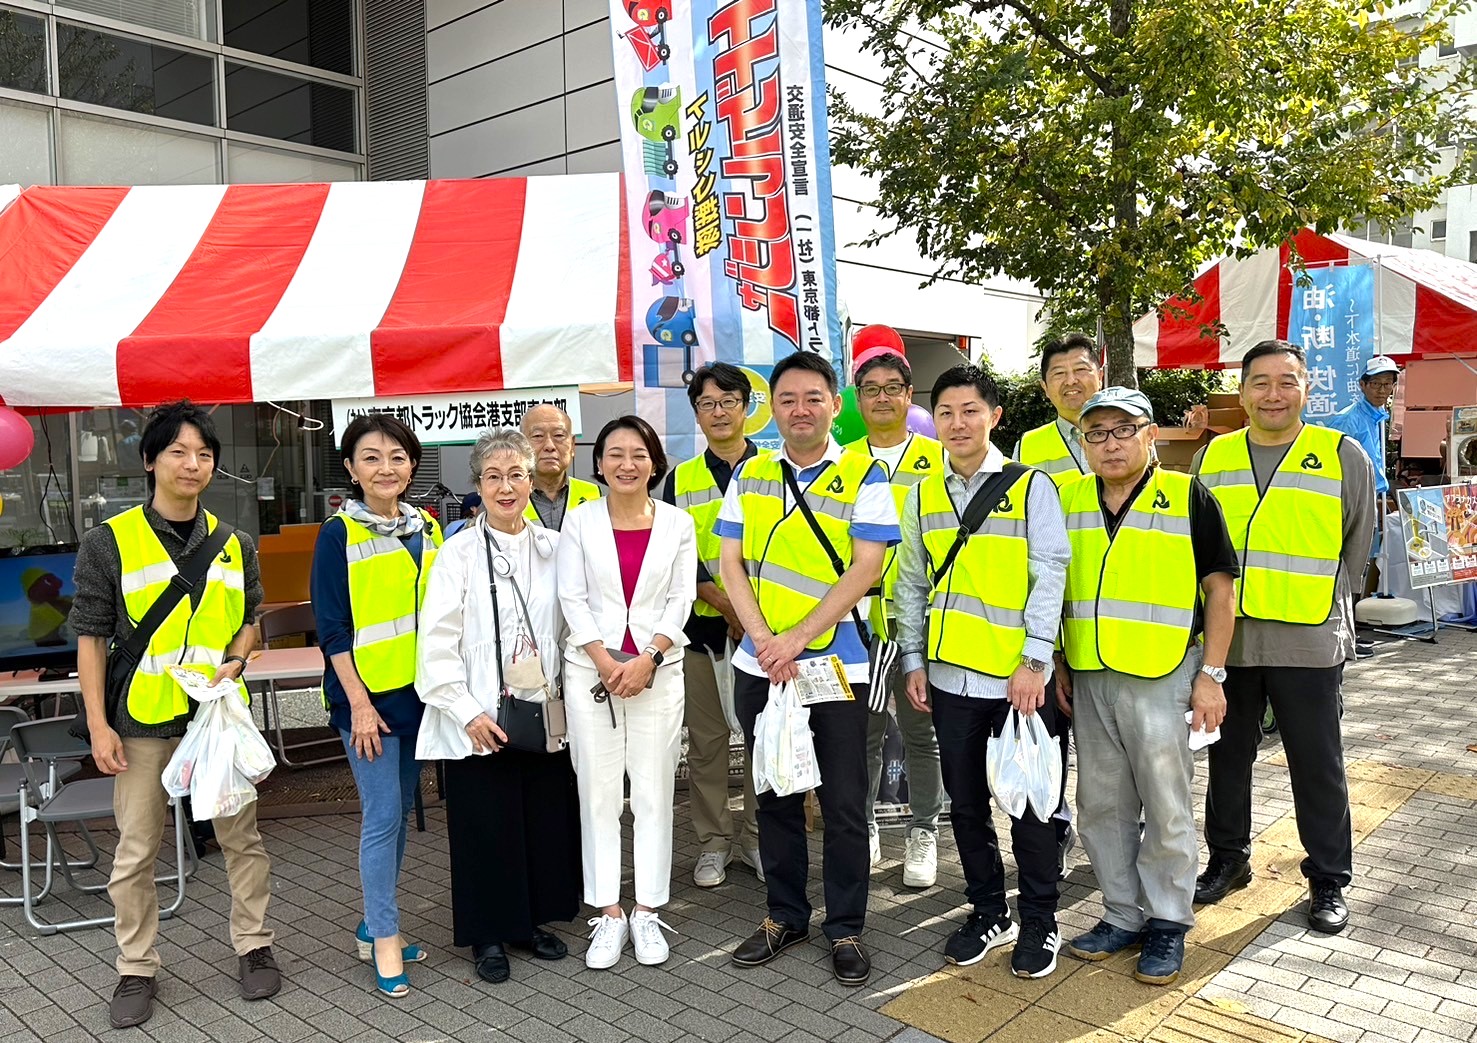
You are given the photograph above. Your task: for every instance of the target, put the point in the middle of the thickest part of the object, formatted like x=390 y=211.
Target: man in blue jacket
x=1366 y=420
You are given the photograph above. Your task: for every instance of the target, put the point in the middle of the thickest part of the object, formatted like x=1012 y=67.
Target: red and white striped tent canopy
x=252 y=293
x=1426 y=304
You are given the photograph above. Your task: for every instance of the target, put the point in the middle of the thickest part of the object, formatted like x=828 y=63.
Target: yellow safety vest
x=194 y=637
x=387 y=587
x=788 y=569
x=578 y=491
x=695 y=490
x=977 y=610
x=922 y=457
x=1131 y=598
x=1290 y=538
x=1045 y=449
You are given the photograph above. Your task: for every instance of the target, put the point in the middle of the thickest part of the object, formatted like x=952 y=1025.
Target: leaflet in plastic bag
x=1024 y=767
x=784 y=751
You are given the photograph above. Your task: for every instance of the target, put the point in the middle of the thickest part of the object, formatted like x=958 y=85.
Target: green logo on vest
x=1311 y=463
x=921 y=464
x=1005 y=504
x=225 y=557
x=1161 y=502
x=837 y=486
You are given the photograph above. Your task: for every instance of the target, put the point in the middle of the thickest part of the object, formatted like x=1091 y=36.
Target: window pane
x=133 y=75
x=182 y=17
x=319 y=33
x=251 y=165
x=275 y=105
x=104 y=152
x=22 y=52
x=26 y=158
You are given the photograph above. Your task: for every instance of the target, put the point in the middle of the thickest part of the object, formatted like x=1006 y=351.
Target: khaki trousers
x=707 y=761
x=141 y=807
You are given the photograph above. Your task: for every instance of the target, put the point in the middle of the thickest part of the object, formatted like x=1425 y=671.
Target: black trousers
x=1308 y=703
x=840 y=734
x=964 y=727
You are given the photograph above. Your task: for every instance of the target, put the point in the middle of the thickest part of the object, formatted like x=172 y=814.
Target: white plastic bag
x=221 y=757
x=784 y=751
x=1024 y=767
x=723 y=678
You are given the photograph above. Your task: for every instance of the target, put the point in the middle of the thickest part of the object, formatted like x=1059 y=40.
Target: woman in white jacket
x=627 y=578
x=512 y=817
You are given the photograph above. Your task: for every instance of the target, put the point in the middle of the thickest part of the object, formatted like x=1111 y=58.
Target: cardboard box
x=1224 y=400
x=1177 y=446
x=1229 y=419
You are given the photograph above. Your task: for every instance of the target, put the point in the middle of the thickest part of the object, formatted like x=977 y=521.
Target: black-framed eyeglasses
x=728 y=404
x=1123 y=432
x=893 y=389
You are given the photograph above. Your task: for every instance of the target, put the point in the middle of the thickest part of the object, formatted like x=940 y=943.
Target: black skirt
x=512 y=819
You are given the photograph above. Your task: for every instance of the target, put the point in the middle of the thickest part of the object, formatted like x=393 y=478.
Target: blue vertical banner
x=1333 y=319
x=727 y=163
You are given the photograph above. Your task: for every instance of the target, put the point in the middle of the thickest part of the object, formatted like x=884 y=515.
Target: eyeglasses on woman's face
x=1123 y=432
x=493 y=479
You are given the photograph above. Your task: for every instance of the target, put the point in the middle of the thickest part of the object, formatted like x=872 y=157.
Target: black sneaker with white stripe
x=980 y=933
x=1036 y=949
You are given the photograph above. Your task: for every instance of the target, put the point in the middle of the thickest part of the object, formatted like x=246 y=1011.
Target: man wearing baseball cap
x=1147 y=623
x=1366 y=420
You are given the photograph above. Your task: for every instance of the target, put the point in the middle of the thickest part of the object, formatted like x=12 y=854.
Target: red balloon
x=876 y=336
x=17 y=438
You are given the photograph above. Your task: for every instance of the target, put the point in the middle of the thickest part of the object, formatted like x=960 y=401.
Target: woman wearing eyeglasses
x=490 y=630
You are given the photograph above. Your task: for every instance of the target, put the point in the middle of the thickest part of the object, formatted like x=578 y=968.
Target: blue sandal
x=396 y=987
x=410 y=954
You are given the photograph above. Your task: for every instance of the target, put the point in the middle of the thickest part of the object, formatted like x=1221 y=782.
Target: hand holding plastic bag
x=221 y=757
x=784 y=751
x=1024 y=767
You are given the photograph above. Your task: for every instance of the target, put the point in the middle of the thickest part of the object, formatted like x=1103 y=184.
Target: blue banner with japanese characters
x=726 y=156
x=1332 y=317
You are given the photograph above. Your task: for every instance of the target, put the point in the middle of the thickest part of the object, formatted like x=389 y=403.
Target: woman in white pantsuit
x=627 y=577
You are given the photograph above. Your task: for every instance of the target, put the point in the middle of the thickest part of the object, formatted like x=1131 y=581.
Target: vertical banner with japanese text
x=727 y=168
x=1333 y=319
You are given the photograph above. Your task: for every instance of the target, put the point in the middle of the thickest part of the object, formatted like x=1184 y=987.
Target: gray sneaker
x=711 y=869
x=133 y=1001
x=259 y=975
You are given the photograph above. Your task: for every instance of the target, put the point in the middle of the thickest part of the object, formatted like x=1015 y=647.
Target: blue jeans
x=386 y=795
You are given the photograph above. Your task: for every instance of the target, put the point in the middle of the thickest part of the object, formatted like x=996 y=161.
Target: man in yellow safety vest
x=1152 y=569
x=1299 y=505
x=556 y=492
x=122 y=567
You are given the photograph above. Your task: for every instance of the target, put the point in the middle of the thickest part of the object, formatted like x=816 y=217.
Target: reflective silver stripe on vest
x=1313 y=483
x=1060 y=464
x=386 y=631
x=826 y=505
x=232 y=579
x=713 y=567
x=1153 y=521
x=972 y=606
x=906 y=478
x=1135 y=611
x=761 y=487
x=939 y=521
x=792 y=580
x=140 y=579
x=190 y=654
x=1084 y=520
x=1242 y=476
x=699 y=497
x=1294 y=563
x=372 y=546
x=991 y=526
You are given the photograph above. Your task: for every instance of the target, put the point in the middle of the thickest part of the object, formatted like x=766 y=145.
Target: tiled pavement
x=1406 y=969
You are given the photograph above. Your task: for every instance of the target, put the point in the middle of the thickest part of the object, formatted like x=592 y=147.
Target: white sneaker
x=607 y=941
x=921 y=858
x=874 y=845
x=647 y=939
x=750 y=857
x=711 y=869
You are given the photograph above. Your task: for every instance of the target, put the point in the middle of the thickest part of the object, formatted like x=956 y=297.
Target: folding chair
x=46 y=798
x=11 y=776
x=293 y=621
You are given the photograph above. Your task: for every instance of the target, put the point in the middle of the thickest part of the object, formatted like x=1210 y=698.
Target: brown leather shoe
x=259 y=975
x=133 y=1001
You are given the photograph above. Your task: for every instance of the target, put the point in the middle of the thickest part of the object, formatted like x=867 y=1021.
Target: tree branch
x=1039 y=27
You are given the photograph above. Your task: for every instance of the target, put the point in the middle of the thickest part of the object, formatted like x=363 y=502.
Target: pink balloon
x=921 y=422
x=17 y=438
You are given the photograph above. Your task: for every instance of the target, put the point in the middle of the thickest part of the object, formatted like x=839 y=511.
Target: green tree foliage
x=1106 y=150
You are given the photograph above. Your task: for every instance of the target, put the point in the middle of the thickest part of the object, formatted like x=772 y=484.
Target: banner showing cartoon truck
x=649 y=38
x=656 y=113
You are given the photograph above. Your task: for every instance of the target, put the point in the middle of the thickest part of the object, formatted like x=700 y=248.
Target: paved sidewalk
x=1406 y=969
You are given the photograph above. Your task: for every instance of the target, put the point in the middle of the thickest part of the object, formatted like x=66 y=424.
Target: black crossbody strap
x=191 y=572
x=980 y=505
x=497 y=619
x=820 y=534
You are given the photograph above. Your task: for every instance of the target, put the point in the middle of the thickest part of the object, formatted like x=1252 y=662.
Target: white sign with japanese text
x=453 y=419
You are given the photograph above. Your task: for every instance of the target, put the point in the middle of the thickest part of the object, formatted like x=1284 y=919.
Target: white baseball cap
x=1381 y=364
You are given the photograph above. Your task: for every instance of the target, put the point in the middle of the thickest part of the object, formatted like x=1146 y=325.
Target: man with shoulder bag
x=193 y=585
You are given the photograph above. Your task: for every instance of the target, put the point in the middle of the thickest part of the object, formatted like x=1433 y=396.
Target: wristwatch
x=656 y=654
x=1215 y=673
x=236 y=659
x=1036 y=666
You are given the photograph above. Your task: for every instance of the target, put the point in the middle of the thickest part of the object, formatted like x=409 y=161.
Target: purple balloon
x=920 y=421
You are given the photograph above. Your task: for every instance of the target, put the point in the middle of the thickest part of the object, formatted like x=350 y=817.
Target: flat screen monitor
x=35 y=598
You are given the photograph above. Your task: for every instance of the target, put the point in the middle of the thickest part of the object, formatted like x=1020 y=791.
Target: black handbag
x=123 y=659
x=521 y=720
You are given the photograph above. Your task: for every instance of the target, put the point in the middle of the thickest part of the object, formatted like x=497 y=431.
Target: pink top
x=630 y=548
